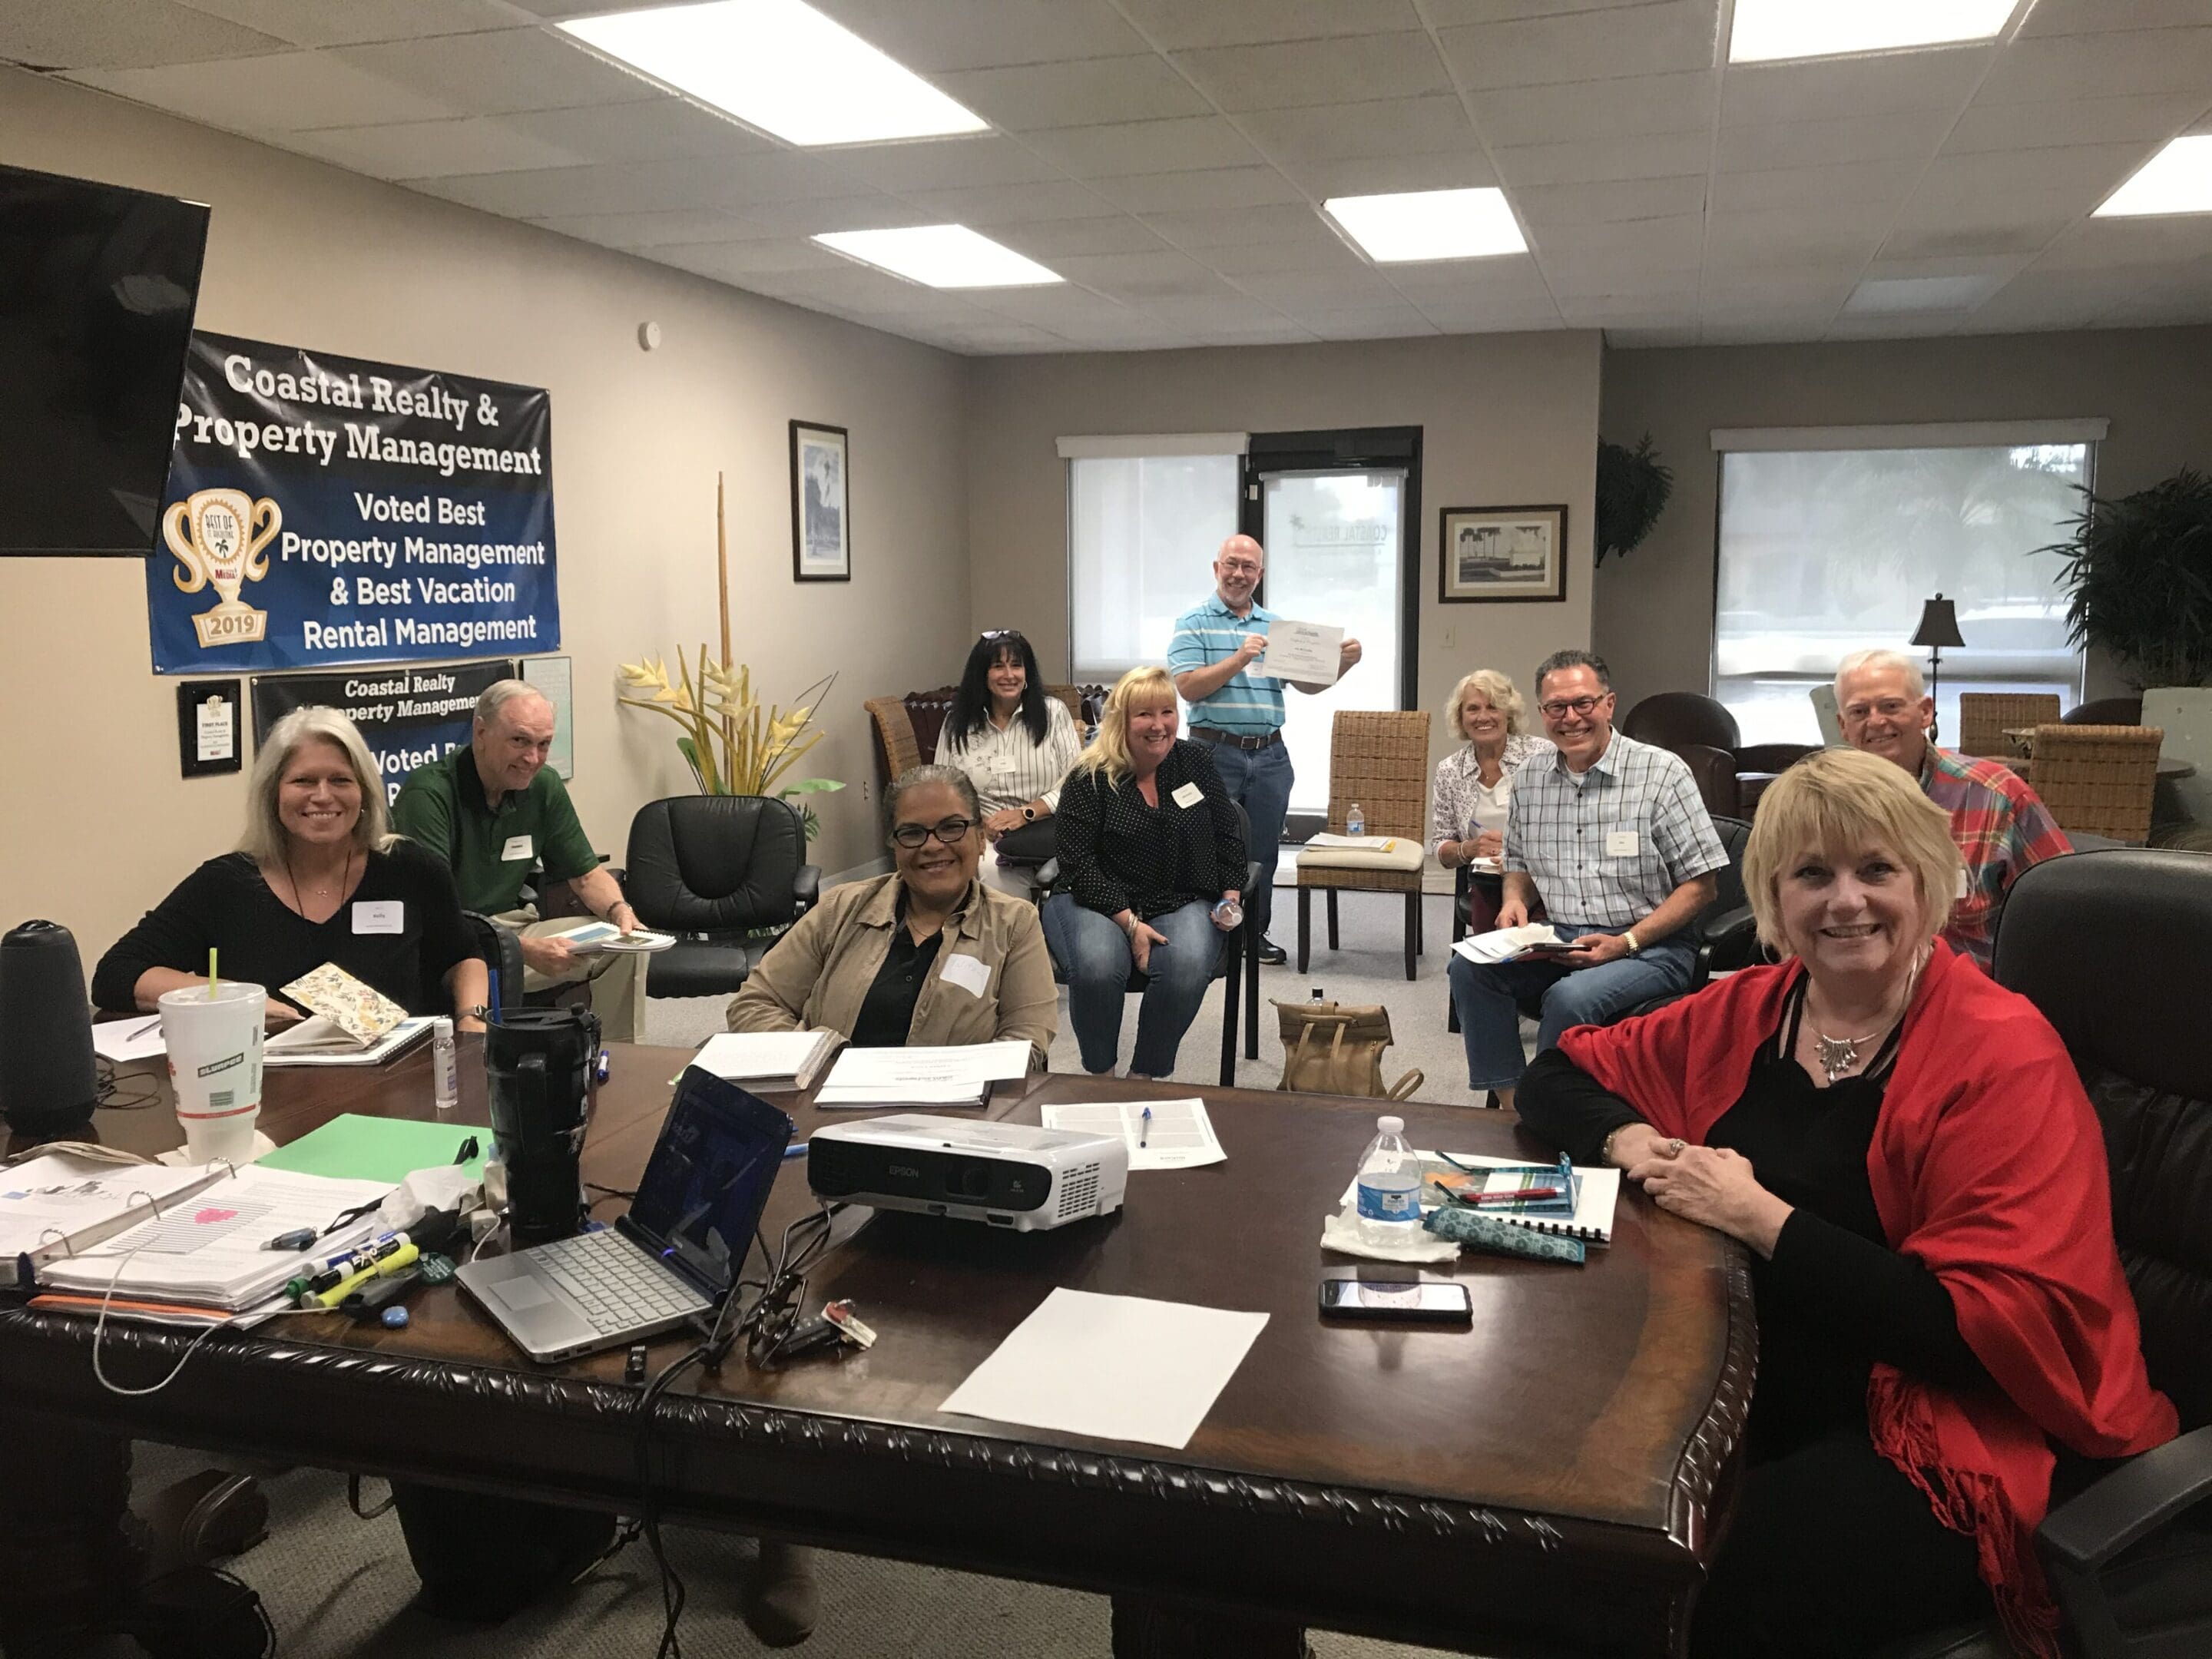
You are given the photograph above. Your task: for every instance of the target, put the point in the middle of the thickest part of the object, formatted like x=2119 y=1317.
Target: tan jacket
x=818 y=974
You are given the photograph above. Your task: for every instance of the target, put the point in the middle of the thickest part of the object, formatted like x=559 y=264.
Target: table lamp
x=1939 y=627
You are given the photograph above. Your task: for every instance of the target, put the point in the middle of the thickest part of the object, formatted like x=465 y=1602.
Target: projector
x=1007 y=1175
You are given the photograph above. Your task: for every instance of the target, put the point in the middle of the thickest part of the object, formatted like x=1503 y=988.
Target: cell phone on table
x=1410 y=1301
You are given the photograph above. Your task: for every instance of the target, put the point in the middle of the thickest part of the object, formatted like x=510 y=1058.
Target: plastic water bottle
x=445 y=1066
x=1388 y=1190
x=1355 y=821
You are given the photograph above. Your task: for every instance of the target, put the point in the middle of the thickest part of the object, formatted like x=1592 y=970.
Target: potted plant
x=2140 y=571
x=732 y=745
x=1632 y=487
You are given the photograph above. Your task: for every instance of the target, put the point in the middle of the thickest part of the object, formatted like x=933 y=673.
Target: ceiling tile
x=1085 y=93
x=1510 y=275
x=1140 y=275
x=1927 y=230
x=1407 y=324
x=652 y=129
x=1177 y=192
x=1834 y=89
x=1123 y=146
x=987 y=158
x=1645 y=339
x=1896 y=325
x=1452 y=319
x=1585 y=204
x=290 y=91
x=1049 y=239
x=638 y=186
x=741 y=259
x=1670 y=37
x=1385 y=126
x=1324 y=253
x=2054 y=68
x=2084 y=172
x=1180 y=24
x=816 y=213
x=1382 y=174
x=1276 y=225
x=996 y=334
x=2118 y=244
x=321 y=23
x=2102 y=16
x=1631 y=107
x=645 y=230
x=1362 y=286
x=430 y=149
x=1595 y=160
x=493 y=74
x=1289 y=74
x=1006 y=205
x=1857 y=182
x=50 y=34
x=1620 y=274
x=2073 y=121
x=1667 y=242
x=964 y=34
x=1902 y=135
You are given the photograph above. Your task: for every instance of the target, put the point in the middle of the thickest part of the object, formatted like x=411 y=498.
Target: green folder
x=353 y=1147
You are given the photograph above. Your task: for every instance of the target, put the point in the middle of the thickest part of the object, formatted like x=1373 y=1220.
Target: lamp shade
x=1939 y=622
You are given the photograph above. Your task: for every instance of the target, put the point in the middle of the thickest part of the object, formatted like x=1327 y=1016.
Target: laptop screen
x=708 y=1180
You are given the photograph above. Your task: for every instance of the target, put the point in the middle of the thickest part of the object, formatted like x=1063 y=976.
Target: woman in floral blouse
x=1474 y=783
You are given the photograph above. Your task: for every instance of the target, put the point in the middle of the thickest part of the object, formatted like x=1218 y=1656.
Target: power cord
x=110 y=1095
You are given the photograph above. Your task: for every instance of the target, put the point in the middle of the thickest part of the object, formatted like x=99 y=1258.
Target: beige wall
x=95 y=823
x=1506 y=419
x=1654 y=608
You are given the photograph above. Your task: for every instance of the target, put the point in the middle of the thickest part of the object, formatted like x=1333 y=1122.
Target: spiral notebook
x=1596 y=1193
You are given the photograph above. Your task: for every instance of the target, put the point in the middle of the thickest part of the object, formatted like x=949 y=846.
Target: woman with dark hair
x=1015 y=742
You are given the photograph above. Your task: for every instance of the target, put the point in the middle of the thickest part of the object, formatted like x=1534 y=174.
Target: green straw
x=214 y=983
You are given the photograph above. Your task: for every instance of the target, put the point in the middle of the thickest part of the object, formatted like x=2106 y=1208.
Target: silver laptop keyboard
x=616 y=1286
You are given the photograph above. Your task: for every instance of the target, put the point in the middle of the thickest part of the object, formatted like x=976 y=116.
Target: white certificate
x=1305 y=653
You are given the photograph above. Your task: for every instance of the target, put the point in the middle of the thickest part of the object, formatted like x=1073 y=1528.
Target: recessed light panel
x=943 y=256
x=780 y=66
x=2178 y=179
x=1429 y=224
x=1769 y=30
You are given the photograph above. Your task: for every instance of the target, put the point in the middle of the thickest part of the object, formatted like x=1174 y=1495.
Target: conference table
x=1550 y=1482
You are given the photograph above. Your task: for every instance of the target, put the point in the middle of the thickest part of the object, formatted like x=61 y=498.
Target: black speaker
x=47 y=1083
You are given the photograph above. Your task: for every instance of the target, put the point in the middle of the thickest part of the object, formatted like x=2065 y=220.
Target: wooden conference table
x=1548 y=1483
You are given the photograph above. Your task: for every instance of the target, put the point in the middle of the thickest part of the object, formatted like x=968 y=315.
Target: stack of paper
x=961 y=1075
x=594 y=936
x=1504 y=944
x=1596 y=1192
x=1361 y=843
x=125 y=1040
x=58 y=1203
x=767 y=1060
x=1177 y=1136
x=320 y=1041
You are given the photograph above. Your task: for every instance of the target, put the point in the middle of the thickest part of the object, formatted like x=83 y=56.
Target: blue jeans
x=1259 y=780
x=1093 y=953
x=1488 y=997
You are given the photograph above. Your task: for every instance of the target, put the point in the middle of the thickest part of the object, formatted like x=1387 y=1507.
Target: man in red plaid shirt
x=2000 y=825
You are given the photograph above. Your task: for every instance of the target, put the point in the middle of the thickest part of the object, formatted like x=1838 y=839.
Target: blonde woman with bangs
x=1152 y=858
x=1474 y=784
x=1945 y=1332
x=318 y=877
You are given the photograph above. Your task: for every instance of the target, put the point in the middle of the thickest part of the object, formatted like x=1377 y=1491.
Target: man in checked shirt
x=2002 y=825
x=1612 y=836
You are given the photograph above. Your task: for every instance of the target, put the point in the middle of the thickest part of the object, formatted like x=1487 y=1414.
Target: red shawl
x=1988 y=1168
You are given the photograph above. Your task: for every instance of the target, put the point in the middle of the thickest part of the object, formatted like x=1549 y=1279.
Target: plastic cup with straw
x=213 y=1036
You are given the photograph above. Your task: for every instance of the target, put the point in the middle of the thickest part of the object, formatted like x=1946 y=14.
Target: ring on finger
x=1675 y=1148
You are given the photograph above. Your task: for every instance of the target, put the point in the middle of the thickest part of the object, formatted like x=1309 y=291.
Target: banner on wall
x=408 y=715
x=323 y=510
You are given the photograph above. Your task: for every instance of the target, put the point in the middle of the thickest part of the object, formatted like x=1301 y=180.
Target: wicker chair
x=1984 y=717
x=2098 y=780
x=1380 y=760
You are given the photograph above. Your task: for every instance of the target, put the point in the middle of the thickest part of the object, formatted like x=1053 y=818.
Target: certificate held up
x=1304 y=653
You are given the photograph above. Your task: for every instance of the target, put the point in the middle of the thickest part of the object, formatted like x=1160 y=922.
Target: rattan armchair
x=1379 y=759
x=1984 y=717
x=2098 y=780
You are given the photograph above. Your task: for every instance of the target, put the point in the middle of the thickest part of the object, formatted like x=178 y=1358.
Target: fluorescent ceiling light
x=1768 y=29
x=943 y=256
x=1429 y=224
x=1891 y=296
x=2178 y=179
x=780 y=66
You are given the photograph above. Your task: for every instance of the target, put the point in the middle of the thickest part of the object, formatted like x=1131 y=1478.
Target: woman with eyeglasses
x=1152 y=861
x=1015 y=742
x=927 y=955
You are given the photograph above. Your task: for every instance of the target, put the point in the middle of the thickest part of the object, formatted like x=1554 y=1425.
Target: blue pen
x=797 y=1149
x=599 y=1071
x=1144 y=1131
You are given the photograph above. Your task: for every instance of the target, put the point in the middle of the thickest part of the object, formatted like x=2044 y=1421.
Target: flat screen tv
x=97 y=289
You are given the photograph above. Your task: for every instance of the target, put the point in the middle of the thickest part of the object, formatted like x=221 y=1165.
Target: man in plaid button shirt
x=1999 y=823
x=1611 y=834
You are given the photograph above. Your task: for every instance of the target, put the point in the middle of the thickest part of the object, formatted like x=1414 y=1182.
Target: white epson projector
x=1007 y=1175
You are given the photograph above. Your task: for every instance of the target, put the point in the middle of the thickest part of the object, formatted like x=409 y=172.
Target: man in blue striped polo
x=1239 y=712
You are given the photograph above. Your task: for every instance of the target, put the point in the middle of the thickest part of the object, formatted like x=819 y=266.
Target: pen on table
x=605 y=1066
x=797 y=1149
x=144 y=1026
x=1145 y=1128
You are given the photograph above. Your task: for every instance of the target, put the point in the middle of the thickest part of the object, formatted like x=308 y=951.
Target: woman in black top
x=1152 y=858
x=318 y=878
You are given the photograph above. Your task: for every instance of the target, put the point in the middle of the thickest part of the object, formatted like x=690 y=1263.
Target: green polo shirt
x=492 y=853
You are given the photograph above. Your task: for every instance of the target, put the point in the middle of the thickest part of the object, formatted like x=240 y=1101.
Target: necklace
x=1840 y=1055
x=299 y=903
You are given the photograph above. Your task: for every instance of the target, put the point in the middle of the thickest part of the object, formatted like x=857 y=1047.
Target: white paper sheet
x=125 y=1040
x=1505 y=943
x=1114 y=1367
x=1306 y=652
x=1179 y=1137
x=748 y=1056
x=953 y=1075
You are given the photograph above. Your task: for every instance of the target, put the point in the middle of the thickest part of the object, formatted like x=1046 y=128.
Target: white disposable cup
x=215 y=1067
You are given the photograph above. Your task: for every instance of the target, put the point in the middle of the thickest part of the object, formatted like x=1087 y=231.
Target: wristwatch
x=1628 y=938
x=482 y=1011
x=1029 y=815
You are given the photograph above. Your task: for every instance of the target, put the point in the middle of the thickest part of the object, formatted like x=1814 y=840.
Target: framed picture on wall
x=821 y=513
x=1501 y=553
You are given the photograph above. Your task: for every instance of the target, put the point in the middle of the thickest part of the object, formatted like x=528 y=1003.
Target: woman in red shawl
x=1906 y=1149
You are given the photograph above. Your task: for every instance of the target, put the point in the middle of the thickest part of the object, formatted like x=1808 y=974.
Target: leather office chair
x=711 y=869
x=2105 y=711
x=2130 y=1557
x=1671 y=719
x=501 y=950
x=1713 y=770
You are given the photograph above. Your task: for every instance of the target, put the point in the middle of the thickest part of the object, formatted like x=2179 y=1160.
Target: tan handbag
x=1331 y=1049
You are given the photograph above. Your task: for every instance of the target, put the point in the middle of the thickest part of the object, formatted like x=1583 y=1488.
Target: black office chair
x=501 y=950
x=1669 y=719
x=712 y=869
x=2115 y=948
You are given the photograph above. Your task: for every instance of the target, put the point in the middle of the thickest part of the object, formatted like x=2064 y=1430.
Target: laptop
x=675 y=1255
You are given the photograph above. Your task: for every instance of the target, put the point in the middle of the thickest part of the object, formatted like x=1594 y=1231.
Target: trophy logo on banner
x=228 y=529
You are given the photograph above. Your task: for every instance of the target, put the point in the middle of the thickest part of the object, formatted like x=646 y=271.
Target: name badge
x=379 y=916
x=518 y=847
x=971 y=974
x=1002 y=766
x=1966 y=886
x=1190 y=795
x=1620 y=843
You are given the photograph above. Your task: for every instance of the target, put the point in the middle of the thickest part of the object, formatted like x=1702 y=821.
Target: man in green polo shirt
x=493 y=811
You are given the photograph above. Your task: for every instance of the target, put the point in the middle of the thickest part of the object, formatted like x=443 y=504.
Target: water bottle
x=1355 y=821
x=1229 y=912
x=445 y=1066
x=1388 y=1190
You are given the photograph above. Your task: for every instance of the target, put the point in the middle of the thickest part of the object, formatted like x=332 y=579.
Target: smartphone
x=1420 y=1300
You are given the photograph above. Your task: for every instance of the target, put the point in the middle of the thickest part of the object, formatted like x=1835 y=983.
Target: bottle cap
x=1391 y=1126
x=440 y=1027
